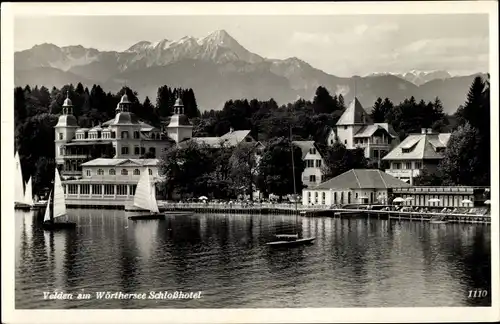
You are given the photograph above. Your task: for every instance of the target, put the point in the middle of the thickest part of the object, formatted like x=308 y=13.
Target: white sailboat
x=145 y=198
x=59 y=207
x=28 y=194
x=19 y=197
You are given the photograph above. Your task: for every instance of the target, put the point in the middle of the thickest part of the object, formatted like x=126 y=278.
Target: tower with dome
x=101 y=166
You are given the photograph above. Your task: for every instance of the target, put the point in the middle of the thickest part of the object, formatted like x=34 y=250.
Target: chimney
x=423 y=130
x=231 y=129
x=429 y=130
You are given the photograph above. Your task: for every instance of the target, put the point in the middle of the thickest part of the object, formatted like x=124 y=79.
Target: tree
x=428 y=178
x=244 y=167
x=323 y=102
x=338 y=159
x=461 y=164
x=276 y=175
x=378 y=114
x=19 y=106
x=185 y=168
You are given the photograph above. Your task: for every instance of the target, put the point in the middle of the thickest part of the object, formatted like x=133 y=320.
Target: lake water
x=353 y=263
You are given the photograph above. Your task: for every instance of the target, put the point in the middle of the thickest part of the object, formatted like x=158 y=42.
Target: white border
x=347 y=315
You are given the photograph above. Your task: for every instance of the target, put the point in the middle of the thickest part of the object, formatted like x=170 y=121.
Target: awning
x=88 y=143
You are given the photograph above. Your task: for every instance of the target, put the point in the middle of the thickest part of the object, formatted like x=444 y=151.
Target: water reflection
x=354 y=262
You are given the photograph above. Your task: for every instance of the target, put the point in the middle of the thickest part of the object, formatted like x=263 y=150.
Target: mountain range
x=218 y=69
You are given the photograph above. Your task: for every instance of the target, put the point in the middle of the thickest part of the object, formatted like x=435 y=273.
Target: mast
x=293 y=171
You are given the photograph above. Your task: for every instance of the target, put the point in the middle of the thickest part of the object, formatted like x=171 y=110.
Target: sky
x=343 y=45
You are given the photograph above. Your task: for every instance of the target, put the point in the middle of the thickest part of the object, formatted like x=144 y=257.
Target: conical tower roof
x=355 y=114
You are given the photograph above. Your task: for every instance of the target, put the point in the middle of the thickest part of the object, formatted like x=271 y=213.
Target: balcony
x=72 y=173
x=403 y=173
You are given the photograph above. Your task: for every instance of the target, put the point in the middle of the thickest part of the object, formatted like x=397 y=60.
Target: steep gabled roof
x=369 y=130
x=306 y=146
x=362 y=179
x=355 y=114
x=233 y=138
x=419 y=146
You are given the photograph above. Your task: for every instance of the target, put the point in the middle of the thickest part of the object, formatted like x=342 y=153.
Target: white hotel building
x=90 y=180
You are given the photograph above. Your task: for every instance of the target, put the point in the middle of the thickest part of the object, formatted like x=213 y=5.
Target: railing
x=238 y=205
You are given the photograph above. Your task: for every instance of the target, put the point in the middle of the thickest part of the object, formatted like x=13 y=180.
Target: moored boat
x=290 y=240
x=19 y=195
x=145 y=200
x=59 y=209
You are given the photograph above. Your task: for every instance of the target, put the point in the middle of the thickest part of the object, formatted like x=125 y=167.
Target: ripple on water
x=353 y=263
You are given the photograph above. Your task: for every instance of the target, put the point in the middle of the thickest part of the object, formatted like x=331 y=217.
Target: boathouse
x=356 y=186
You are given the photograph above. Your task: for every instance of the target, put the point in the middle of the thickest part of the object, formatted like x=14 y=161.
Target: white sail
x=18 y=185
x=28 y=194
x=154 y=203
x=144 y=197
x=47 y=211
x=59 y=201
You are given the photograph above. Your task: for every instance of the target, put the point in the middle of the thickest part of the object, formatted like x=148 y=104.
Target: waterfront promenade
x=465 y=215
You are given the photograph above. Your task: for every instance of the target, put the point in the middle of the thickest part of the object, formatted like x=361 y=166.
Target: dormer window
x=312 y=151
x=406 y=150
x=440 y=149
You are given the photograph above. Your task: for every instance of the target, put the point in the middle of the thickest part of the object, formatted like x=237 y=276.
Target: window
x=137 y=150
x=150 y=172
x=100 y=172
x=406 y=150
x=418 y=165
x=323 y=177
x=312 y=150
x=143 y=150
x=309 y=163
x=397 y=165
x=136 y=134
x=113 y=135
x=132 y=189
x=84 y=189
x=124 y=172
x=408 y=165
x=345 y=127
x=61 y=151
x=137 y=172
x=125 y=150
x=124 y=134
x=318 y=163
x=121 y=190
x=60 y=136
x=345 y=142
x=96 y=189
x=112 y=172
x=312 y=178
x=152 y=150
x=109 y=189
x=88 y=173
x=331 y=142
x=72 y=189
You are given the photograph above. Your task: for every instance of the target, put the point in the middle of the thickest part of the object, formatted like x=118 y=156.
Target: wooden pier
x=316 y=211
x=337 y=213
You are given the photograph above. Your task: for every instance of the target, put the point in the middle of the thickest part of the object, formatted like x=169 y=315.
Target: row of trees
x=198 y=169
